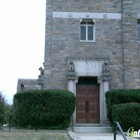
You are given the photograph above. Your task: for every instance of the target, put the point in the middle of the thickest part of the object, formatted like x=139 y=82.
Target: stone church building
x=91 y=46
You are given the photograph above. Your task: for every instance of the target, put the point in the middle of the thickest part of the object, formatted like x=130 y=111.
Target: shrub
x=120 y=96
x=128 y=115
x=44 y=108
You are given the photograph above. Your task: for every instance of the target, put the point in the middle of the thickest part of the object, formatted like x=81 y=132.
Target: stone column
x=105 y=88
x=105 y=80
x=40 y=82
x=101 y=103
x=101 y=99
x=71 y=87
x=71 y=83
x=40 y=87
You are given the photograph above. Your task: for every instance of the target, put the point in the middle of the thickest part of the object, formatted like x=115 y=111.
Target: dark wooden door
x=87 y=104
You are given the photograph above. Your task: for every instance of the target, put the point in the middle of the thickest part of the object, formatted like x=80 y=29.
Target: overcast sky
x=22 y=41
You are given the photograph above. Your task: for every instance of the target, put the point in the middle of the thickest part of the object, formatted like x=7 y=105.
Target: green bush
x=120 y=96
x=128 y=115
x=43 y=108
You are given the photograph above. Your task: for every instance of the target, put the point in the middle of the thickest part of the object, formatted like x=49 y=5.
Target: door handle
x=87 y=106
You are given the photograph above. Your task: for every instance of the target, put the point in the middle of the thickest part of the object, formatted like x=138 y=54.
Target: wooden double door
x=87 y=104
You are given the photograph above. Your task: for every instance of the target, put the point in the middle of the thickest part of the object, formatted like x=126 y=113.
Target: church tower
x=91 y=46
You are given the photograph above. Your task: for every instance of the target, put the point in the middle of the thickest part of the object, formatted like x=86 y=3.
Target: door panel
x=87 y=104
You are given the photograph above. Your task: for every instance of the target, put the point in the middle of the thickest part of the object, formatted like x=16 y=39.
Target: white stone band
x=87 y=15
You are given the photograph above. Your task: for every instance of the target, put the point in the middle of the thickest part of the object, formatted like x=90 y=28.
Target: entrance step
x=88 y=125
x=94 y=128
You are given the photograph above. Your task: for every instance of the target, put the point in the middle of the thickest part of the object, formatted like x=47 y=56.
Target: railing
x=116 y=124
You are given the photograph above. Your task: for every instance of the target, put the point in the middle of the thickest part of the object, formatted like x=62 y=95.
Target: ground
x=33 y=135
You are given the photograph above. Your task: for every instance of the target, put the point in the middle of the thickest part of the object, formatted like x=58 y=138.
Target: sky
x=22 y=41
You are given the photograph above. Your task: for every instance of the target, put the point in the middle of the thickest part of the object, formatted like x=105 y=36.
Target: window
x=87 y=31
x=138 y=25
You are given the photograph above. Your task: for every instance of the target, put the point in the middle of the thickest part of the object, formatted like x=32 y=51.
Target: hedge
x=120 y=96
x=50 y=109
x=128 y=115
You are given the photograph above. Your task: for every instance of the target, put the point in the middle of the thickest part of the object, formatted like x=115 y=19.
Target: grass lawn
x=32 y=135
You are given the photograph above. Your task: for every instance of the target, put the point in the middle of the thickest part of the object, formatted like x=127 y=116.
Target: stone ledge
x=93 y=129
x=86 y=58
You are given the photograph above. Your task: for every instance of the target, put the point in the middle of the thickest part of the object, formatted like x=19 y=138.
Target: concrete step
x=88 y=125
x=92 y=128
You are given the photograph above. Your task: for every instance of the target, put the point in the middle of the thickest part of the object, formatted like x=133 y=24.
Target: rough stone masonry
x=91 y=46
x=115 y=39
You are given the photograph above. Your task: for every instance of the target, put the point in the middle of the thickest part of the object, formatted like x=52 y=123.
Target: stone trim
x=96 y=69
x=71 y=71
x=86 y=59
x=87 y=15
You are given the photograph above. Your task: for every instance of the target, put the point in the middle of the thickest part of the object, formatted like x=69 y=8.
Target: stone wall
x=116 y=40
x=62 y=40
x=27 y=84
x=105 y=6
x=131 y=12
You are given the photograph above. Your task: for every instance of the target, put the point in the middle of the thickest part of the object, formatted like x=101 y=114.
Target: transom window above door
x=87 y=30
